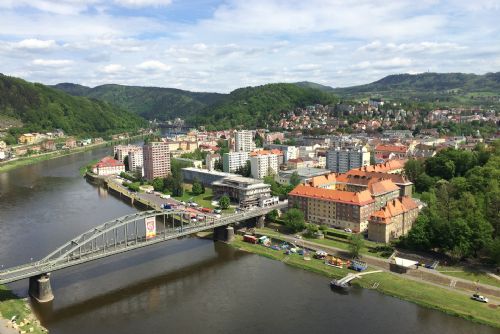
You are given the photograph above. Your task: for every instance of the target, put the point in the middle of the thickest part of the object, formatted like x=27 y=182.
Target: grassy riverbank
x=427 y=295
x=11 y=305
x=30 y=160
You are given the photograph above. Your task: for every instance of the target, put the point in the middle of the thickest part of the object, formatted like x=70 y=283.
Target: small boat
x=335 y=284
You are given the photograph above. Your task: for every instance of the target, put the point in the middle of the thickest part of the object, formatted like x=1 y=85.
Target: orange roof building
x=395 y=219
x=342 y=209
x=324 y=181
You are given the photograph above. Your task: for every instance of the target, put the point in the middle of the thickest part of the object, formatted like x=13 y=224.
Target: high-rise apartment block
x=156 y=160
x=136 y=160
x=264 y=163
x=244 y=141
x=233 y=160
x=341 y=160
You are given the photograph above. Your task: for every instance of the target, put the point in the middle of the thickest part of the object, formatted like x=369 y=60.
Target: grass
x=204 y=200
x=423 y=294
x=475 y=276
x=11 y=305
x=368 y=249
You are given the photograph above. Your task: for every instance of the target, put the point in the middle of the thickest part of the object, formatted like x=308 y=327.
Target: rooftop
x=355 y=198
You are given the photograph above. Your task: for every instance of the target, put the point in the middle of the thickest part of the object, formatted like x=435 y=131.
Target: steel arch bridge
x=125 y=234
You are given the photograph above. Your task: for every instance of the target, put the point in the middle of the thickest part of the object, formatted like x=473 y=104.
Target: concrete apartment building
x=341 y=160
x=136 y=160
x=122 y=151
x=341 y=209
x=243 y=141
x=233 y=160
x=264 y=163
x=156 y=160
x=211 y=160
x=289 y=152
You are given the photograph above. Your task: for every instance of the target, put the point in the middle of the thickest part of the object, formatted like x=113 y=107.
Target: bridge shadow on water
x=176 y=282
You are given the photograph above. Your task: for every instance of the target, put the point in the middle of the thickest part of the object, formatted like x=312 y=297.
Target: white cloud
x=52 y=62
x=142 y=3
x=153 y=65
x=113 y=68
x=429 y=47
x=35 y=44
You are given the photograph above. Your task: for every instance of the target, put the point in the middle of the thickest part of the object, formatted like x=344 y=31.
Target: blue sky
x=207 y=45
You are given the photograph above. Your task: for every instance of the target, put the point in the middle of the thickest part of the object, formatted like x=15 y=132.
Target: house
x=27 y=138
x=108 y=166
x=70 y=143
x=400 y=151
x=49 y=145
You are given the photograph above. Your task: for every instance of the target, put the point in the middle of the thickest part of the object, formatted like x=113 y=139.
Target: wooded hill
x=41 y=108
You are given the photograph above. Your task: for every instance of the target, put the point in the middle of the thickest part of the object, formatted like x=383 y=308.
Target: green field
x=395 y=285
x=11 y=305
x=475 y=276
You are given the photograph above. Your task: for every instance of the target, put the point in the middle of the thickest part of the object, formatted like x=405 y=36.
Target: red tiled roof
x=393 y=208
x=323 y=179
x=265 y=152
x=108 y=162
x=392 y=148
x=359 y=198
x=382 y=187
x=387 y=166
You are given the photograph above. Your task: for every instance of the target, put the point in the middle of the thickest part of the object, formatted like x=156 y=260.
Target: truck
x=206 y=210
x=250 y=238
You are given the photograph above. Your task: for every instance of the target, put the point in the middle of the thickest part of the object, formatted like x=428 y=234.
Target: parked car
x=348 y=230
x=218 y=211
x=479 y=298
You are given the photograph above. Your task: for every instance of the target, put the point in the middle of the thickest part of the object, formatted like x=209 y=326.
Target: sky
x=218 y=46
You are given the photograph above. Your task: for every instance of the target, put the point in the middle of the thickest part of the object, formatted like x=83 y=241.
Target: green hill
x=457 y=88
x=148 y=102
x=308 y=84
x=259 y=106
x=41 y=108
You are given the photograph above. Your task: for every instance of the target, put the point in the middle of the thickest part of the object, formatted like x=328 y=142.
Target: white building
x=264 y=163
x=136 y=161
x=233 y=160
x=244 y=141
x=289 y=152
x=341 y=160
x=108 y=166
x=121 y=151
x=210 y=160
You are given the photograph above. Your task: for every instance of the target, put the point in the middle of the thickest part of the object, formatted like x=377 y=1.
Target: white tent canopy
x=404 y=262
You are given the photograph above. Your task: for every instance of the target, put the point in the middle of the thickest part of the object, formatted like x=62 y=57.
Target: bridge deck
x=71 y=258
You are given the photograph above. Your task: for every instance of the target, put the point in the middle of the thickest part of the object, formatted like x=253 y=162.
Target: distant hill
x=40 y=108
x=148 y=102
x=259 y=106
x=308 y=84
x=453 y=87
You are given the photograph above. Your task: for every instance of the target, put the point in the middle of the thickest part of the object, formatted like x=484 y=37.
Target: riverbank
x=24 y=161
x=421 y=293
x=10 y=306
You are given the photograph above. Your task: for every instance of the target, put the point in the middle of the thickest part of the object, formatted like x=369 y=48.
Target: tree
x=224 y=202
x=197 y=188
x=424 y=183
x=413 y=168
x=245 y=170
x=219 y=165
x=356 y=243
x=272 y=216
x=294 y=220
x=126 y=163
x=158 y=184
x=295 y=179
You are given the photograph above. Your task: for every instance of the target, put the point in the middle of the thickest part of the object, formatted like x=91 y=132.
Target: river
x=182 y=286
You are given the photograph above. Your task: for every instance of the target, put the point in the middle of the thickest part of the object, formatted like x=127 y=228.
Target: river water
x=182 y=286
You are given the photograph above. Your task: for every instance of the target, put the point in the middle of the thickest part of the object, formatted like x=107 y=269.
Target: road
x=422 y=275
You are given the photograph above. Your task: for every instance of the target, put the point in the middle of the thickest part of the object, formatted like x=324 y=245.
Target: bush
x=294 y=220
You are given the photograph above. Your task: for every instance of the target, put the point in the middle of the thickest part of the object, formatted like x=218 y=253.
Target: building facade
x=264 y=163
x=341 y=209
x=246 y=191
x=136 y=160
x=108 y=166
x=156 y=157
x=243 y=141
x=233 y=160
x=341 y=160
x=392 y=221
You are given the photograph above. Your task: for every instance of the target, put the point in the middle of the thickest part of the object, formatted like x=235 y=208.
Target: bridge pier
x=40 y=288
x=259 y=221
x=224 y=233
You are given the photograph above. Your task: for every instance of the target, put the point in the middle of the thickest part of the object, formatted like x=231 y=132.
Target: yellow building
x=27 y=138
